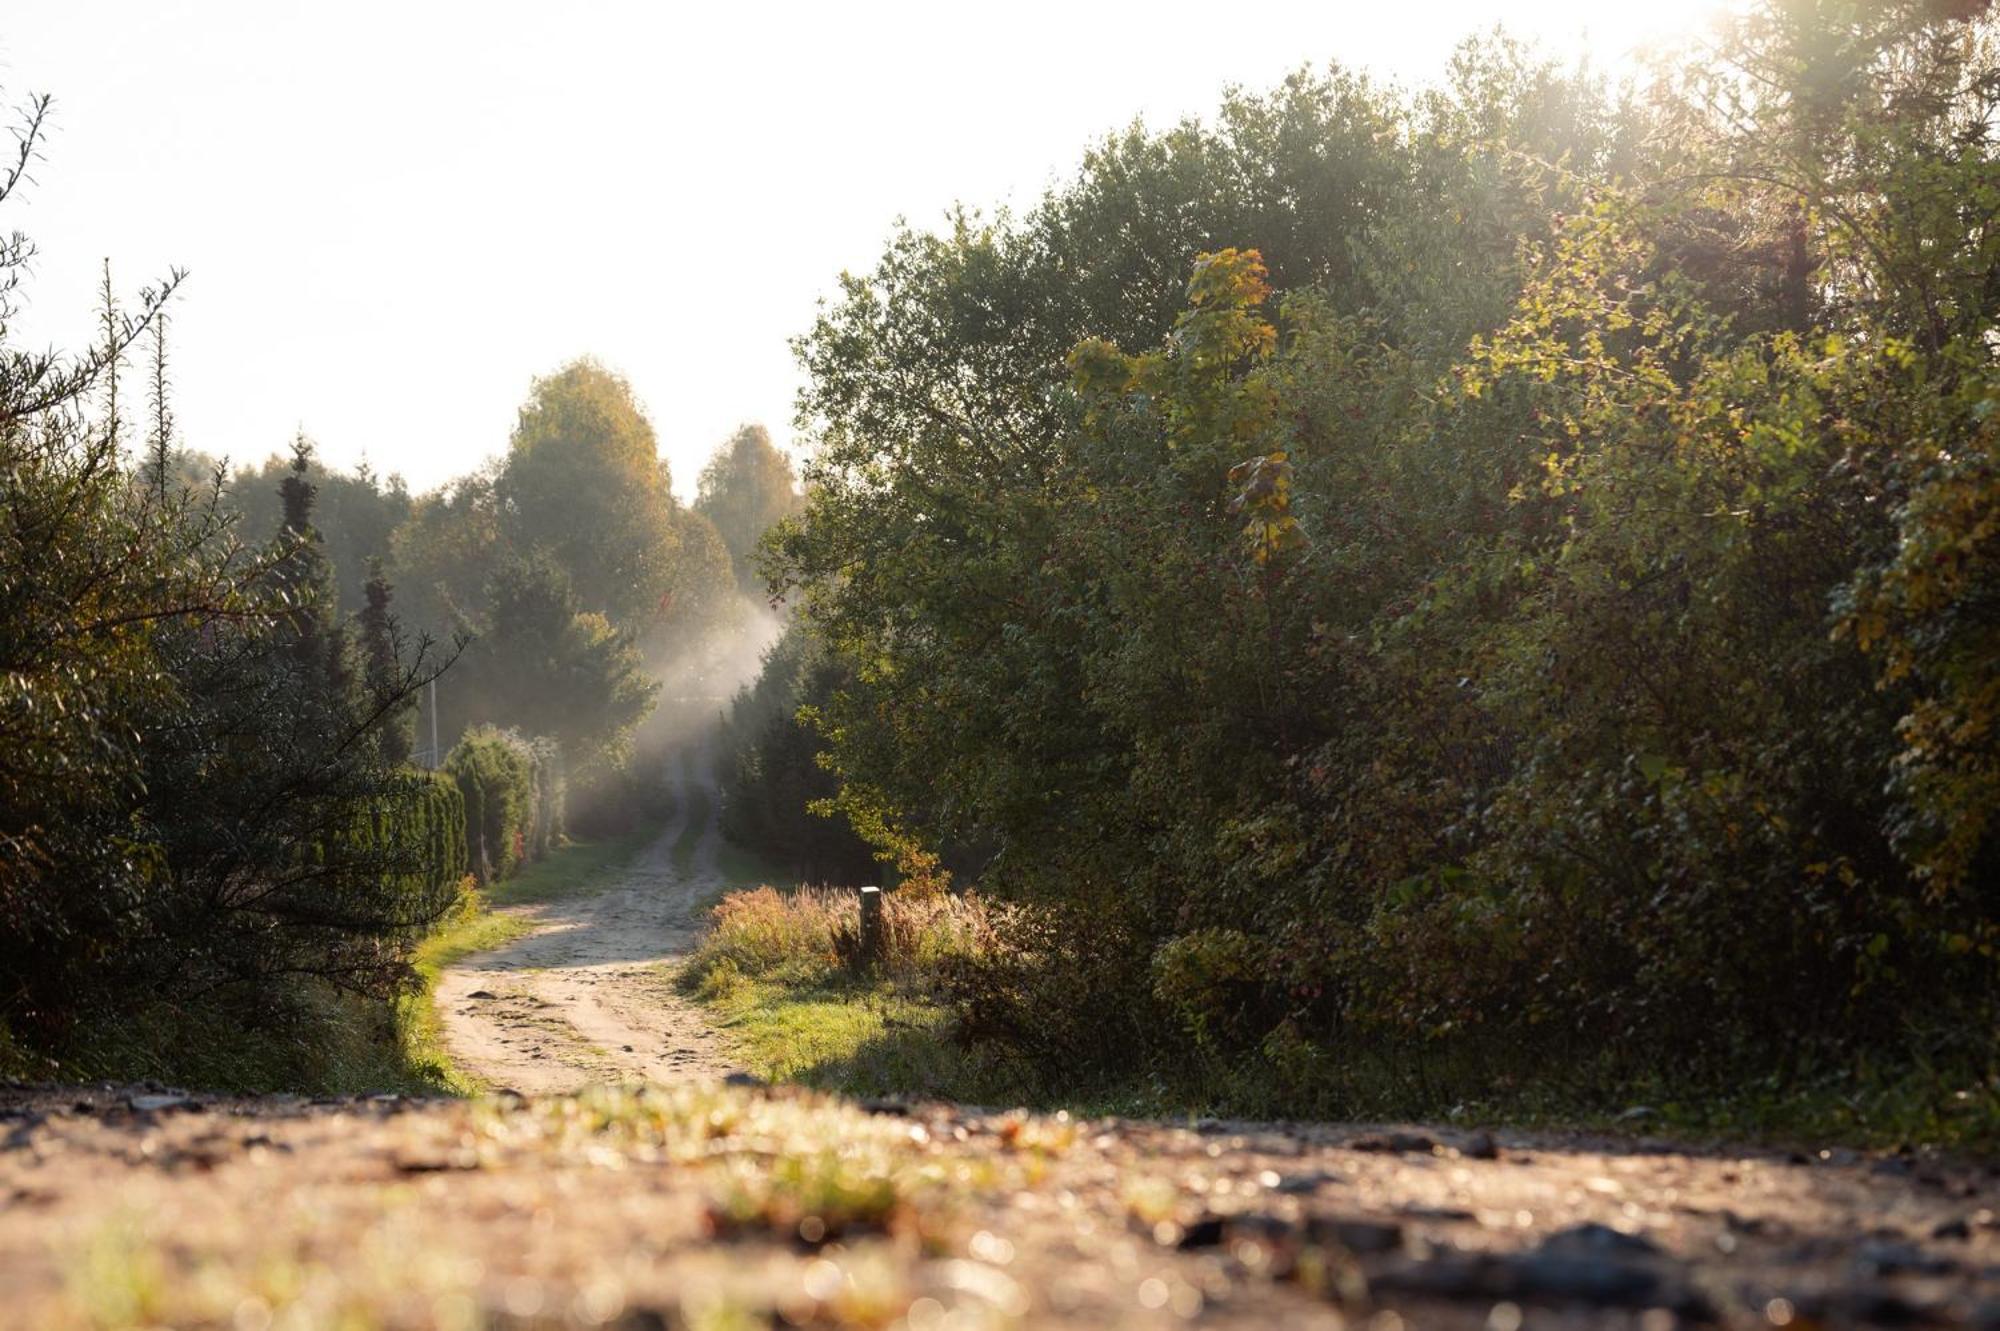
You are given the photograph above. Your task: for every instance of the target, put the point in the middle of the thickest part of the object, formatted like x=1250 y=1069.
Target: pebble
x=1591 y=1239
x=1542 y=1277
x=1846 y=1305
x=1361 y=1237
x=153 y=1104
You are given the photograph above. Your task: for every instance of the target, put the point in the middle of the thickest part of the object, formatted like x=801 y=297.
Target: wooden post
x=873 y=944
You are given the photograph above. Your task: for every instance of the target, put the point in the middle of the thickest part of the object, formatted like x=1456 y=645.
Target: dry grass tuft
x=812 y=932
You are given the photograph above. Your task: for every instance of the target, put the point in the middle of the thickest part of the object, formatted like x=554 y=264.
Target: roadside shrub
x=762 y=931
x=1212 y=980
x=1060 y=986
x=418 y=826
x=495 y=772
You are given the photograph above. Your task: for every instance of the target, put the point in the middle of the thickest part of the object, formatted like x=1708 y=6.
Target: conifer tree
x=381 y=659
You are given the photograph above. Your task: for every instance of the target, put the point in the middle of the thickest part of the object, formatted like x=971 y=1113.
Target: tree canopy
x=747 y=488
x=1514 y=557
x=582 y=482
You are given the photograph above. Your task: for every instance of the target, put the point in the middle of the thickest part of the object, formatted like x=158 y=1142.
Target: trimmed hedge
x=405 y=849
x=512 y=790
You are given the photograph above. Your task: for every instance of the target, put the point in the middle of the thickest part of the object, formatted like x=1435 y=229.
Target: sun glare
x=1607 y=34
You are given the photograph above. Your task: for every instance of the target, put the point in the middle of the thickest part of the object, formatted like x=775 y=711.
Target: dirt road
x=585 y=998
x=712 y=1207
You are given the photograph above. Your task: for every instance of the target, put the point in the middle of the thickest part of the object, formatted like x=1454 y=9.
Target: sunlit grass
x=771 y=970
x=863 y=1039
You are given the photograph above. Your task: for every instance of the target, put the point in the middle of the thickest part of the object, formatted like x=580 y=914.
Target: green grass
x=313 y=1040
x=882 y=1038
x=858 y=1037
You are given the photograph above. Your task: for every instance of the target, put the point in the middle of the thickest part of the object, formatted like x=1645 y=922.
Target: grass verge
x=860 y=1037
x=775 y=969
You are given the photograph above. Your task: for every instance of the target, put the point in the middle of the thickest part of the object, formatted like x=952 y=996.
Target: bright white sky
x=396 y=214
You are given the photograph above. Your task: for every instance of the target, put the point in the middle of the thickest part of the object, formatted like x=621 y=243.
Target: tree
x=1495 y=565
x=582 y=483
x=551 y=669
x=746 y=489
x=356 y=514
x=191 y=801
x=445 y=555
x=704 y=596
x=89 y=573
x=381 y=648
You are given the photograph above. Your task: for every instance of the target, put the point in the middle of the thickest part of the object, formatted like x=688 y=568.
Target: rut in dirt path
x=587 y=996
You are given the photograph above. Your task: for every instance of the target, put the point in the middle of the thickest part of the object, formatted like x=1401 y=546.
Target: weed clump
x=813 y=934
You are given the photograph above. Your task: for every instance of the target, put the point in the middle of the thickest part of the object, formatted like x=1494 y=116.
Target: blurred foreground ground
x=715 y=1206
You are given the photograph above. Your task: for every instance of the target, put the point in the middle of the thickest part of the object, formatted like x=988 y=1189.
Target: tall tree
x=160 y=436
x=746 y=489
x=381 y=656
x=548 y=668
x=355 y=512
x=445 y=553
x=582 y=482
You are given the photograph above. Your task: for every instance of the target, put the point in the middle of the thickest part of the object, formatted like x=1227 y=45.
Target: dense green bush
x=420 y=819
x=1506 y=567
x=513 y=794
x=495 y=773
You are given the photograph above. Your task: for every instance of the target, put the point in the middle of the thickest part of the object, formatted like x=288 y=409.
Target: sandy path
x=585 y=997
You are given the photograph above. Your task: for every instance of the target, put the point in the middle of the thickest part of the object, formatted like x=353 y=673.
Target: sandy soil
x=585 y=998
